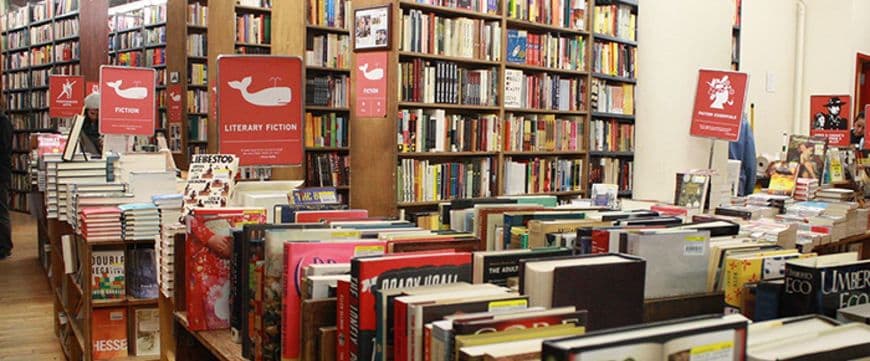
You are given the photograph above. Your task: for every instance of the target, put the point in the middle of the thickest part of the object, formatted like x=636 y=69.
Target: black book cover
x=824 y=290
x=236 y=264
x=142 y=271
x=498 y=269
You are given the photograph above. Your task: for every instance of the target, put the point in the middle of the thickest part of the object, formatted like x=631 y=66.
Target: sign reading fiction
x=174 y=103
x=127 y=102
x=829 y=117
x=371 y=84
x=260 y=109
x=719 y=99
x=66 y=95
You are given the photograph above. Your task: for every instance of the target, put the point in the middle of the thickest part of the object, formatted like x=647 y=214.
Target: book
x=380 y=273
x=146 y=331
x=691 y=190
x=210 y=180
x=209 y=250
x=108 y=280
x=109 y=333
x=587 y=283
x=846 y=342
x=314 y=315
x=497 y=267
x=825 y=284
x=142 y=273
x=740 y=269
x=677 y=261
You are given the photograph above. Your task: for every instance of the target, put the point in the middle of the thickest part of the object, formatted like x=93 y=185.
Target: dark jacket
x=744 y=151
x=6 y=135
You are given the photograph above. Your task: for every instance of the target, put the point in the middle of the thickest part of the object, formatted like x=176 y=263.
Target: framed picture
x=372 y=28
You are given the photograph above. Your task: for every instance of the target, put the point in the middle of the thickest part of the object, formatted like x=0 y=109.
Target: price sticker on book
x=694 y=246
x=508 y=305
x=714 y=351
x=364 y=251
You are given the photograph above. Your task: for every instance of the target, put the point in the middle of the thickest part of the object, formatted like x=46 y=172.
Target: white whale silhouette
x=268 y=97
x=129 y=93
x=175 y=97
x=374 y=74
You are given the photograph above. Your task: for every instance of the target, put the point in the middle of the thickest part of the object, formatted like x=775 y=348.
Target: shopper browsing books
x=91 y=141
x=857 y=134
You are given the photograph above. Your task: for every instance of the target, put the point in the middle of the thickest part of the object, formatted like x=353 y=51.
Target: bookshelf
x=572 y=55
x=39 y=39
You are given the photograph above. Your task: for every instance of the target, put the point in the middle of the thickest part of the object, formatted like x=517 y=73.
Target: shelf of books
x=137 y=38
x=196 y=66
x=39 y=39
x=327 y=87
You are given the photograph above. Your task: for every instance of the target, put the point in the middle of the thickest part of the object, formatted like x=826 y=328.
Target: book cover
x=498 y=267
x=330 y=215
x=825 y=284
x=210 y=179
x=691 y=190
x=208 y=253
x=142 y=273
x=677 y=261
x=478 y=326
x=109 y=333
x=107 y=275
x=830 y=119
x=516 y=46
x=146 y=331
x=297 y=256
x=368 y=275
x=742 y=269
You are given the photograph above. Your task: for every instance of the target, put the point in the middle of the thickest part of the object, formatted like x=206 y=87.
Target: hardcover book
x=109 y=333
x=691 y=190
x=497 y=267
x=107 y=275
x=146 y=331
x=142 y=273
x=825 y=284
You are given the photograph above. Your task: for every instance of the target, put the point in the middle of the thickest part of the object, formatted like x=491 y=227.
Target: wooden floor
x=26 y=304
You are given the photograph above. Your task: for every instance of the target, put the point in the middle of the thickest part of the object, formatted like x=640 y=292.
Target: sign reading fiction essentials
x=719 y=99
x=66 y=95
x=829 y=117
x=260 y=109
x=371 y=84
x=127 y=102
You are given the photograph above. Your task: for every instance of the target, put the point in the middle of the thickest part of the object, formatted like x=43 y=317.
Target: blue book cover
x=516 y=46
x=137 y=206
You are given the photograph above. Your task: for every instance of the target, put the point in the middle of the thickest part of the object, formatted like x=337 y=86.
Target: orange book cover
x=109 y=333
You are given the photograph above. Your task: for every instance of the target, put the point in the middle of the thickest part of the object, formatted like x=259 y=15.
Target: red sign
x=174 y=103
x=66 y=95
x=127 y=102
x=371 y=84
x=829 y=117
x=866 y=128
x=92 y=87
x=719 y=99
x=259 y=108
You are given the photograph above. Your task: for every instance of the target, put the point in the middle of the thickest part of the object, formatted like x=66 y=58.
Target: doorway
x=862 y=82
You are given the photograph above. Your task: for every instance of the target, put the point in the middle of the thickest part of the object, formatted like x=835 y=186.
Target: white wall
x=676 y=38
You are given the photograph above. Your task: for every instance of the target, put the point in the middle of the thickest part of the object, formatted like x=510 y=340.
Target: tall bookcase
x=587 y=80
x=39 y=39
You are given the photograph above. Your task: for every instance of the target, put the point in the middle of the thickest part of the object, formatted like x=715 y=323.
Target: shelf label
x=260 y=109
x=829 y=117
x=370 y=82
x=66 y=95
x=719 y=99
x=127 y=101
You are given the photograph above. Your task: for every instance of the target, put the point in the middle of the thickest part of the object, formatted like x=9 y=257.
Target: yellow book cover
x=752 y=268
x=309 y=130
x=514 y=335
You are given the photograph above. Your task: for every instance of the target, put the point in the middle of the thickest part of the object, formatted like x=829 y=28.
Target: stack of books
x=141 y=221
x=100 y=224
x=835 y=194
x=806 y=189
x=170 y=206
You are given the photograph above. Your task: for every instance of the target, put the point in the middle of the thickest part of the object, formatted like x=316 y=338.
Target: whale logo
x=268 y=97
x=175 y=97
x=374 y=74
x=134 y=93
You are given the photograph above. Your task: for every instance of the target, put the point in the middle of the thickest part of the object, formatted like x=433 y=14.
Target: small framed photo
x=372 y=28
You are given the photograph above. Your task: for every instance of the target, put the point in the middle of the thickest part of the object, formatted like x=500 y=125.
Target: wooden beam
x=94 y=37
x=288 y=38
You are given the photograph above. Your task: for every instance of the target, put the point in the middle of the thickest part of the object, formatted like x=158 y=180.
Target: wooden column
x=94 y=40
x=176 y=62
x=288 y=38
x=373 y=140
x=221 y=40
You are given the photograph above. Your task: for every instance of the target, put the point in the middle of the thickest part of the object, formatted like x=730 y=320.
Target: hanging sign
x=719 y=99
x=127 y=102
x=174 y=103
x=66 y=95
x=371 y=85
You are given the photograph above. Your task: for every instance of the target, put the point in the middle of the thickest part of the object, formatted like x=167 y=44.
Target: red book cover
x=297 y=256
x=331 y=215
x=342 y=313
x=480 y=326
x=369 y=275
x=109 y=333
x=207 y=259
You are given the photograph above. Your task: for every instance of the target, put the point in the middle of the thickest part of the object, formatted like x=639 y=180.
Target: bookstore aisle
x=26 y=316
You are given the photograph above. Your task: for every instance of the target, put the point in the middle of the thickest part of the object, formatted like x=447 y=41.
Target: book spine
x=354 y=312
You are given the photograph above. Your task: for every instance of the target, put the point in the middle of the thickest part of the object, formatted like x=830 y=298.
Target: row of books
x=110 y=337
x=447 y=83
x=545 y=132
x=619 y=171
x=66 y=28
x=62 y=7
x=570 y=14
x=327 y=169
x=155 y=56
x=197 y=101
x=17 y=40
x=533 y=90
x=126 y=21
x=425 y=180
x=67 y=69
x=20 y=80
x=326 y=130
x=155 y=14
x=40 y=121
x=16 y=61
x=254 y=29
x=611 y=136
x=197 y=128
x=612 y=98
x=330 y=50
x=129 y=58
x=16 y=18
x=331 y=13
x=241 y=49
x=256 y=3
x=41 y=55
x=327 y=90
x=67 y=51
x=197 y=14
x=197 y=45
x=40 y=34
x=614 y=59
x=39 y=99
x=542 y=175
x=197 y=74
x=124 y=41
x=155 y=36
x=435 y=131
x=40 y=11
x=546 y=50
x=619 y=21
x=459 y=37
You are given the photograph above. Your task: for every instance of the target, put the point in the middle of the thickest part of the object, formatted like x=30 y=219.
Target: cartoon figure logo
x=720 y=92
x=374 y=74
x=133 y=93
x=67 y=89
x=268 y=97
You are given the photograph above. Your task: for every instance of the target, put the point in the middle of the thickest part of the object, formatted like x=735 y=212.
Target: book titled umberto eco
x=369 y=275
x=825 y=284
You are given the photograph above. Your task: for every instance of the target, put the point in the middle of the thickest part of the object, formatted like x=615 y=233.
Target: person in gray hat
x=91 y=140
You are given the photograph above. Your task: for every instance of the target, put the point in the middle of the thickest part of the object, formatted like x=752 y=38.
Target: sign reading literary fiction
x=127 y=102
x=66 y=95
x=719 y=99
x=829 y=117
x=259 y=109
x=371 y=84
